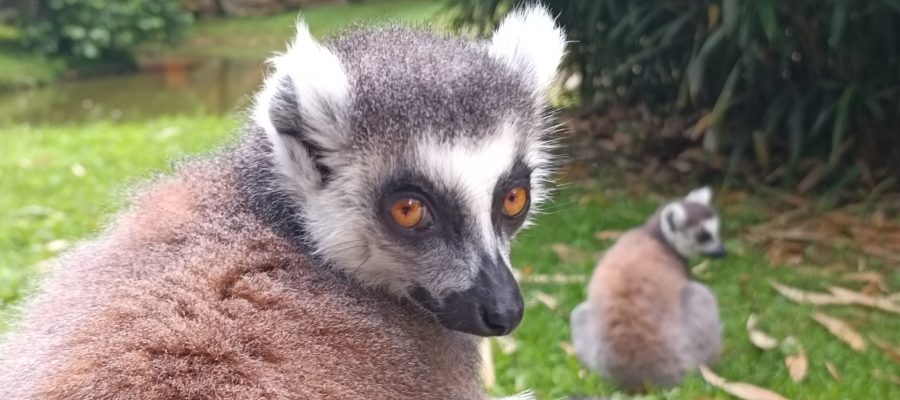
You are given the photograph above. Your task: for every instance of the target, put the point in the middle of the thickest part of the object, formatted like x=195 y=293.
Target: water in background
x=210 y=86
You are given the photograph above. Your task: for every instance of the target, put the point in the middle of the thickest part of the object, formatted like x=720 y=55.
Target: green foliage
x=101 y=29
x=794 y=79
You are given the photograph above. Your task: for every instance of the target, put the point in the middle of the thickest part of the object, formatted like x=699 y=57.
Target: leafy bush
x=101 y=29
x=781 y=80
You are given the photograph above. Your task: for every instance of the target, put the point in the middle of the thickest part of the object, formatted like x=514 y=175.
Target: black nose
x=719 y=252
x=501 y=323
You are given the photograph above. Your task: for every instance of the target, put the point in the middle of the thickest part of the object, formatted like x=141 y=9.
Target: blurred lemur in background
x=354 y=245
x=646 y=322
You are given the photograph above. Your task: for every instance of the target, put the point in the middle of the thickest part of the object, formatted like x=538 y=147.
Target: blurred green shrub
x=101 y=29
x=781 y=80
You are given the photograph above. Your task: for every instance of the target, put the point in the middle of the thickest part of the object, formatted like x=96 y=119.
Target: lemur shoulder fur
x=646 y=322
x=353 y=245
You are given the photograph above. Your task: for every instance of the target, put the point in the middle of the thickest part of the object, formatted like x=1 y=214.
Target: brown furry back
x=636 y=292
x=189 y=295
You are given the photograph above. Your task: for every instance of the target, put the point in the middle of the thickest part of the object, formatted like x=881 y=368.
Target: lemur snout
x=492 y=306
x=718 y=252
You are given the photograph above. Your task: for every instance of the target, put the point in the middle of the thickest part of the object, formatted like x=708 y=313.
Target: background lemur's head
x=414 y=157
x=691 y=225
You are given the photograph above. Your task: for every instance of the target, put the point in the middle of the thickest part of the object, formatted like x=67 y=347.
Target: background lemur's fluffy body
x=351 y=245
x=645 y=321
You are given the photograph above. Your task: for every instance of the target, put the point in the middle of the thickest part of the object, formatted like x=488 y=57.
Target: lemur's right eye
x=409 y=212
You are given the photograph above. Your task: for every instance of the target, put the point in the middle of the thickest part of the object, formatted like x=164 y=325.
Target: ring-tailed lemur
x=350 y=247
x=646 y=322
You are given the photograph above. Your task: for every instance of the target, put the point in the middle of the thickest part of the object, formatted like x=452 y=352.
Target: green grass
x=45 y=198
x=60 y=183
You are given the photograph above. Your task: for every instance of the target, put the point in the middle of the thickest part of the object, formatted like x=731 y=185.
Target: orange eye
x=515 y=201
x=408 y=212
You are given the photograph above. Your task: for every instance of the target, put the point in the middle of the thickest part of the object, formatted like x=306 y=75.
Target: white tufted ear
x=702 y=195
x=673 y=218
x=308 y=86
x=302 y=109
x=530 y=42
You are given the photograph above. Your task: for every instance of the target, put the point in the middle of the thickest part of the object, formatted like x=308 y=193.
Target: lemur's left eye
x=409 y=213
x=515 y=201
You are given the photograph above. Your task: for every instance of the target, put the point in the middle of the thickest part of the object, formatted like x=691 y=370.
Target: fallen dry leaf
x=553 y=278
x=842 y=330
x=607 y=235
x=868 y=277
x=699 y=269
x=886 y=376
x=833 y=371
x=487 y=363
x=740 y=390
x=802 y=296
x=865 y=300
x=546 y=299
x=890 y=350
x=568 y=254
x=568 y=348
x=797 y=363
x=759 y=338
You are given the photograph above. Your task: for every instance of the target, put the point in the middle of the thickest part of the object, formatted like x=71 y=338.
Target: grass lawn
x=61 y=184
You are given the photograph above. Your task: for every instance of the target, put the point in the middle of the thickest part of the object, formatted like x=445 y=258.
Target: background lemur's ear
x=702 y=195
x=674 y=217
x=303 y=106
x=529 y=41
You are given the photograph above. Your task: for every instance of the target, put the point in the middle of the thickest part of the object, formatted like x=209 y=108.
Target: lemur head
x=691 y=225
x=414 y=157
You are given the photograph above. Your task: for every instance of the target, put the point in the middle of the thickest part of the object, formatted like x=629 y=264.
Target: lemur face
x=416 y=157
x=692 y=225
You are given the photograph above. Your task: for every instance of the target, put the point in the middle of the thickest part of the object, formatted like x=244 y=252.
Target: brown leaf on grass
x=797 y=363
x=865 y=300
x=701 y=268
x=607 y=235
x=867 y=277
x=568 y=254
x=802 y=296
x=786 y=253
x=546 y=299
x=842 y=330
x=740 y=390
x=560 y=279
x=757 y=337
x=886 y=376
x=567 y=348
x=890 y=350
x=833 y=371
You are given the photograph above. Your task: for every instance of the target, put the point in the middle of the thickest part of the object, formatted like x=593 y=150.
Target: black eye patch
x=703 y=237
